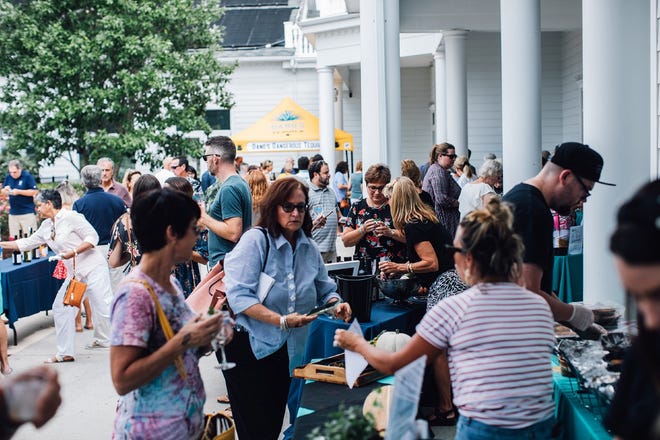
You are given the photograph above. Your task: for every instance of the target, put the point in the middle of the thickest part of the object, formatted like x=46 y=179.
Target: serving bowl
x=398 y=289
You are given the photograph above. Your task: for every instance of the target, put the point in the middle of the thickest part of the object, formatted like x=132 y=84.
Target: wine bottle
x=35 y=251
x=27 y=255
x=16 y=255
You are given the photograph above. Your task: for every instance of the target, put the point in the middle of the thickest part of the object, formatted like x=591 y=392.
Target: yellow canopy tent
x=288 y=127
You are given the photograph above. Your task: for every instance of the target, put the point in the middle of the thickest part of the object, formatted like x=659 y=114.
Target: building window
x=218 y=119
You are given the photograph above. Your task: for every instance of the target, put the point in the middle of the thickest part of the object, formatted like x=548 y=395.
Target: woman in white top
x=70 y=235
x=475 y=194
x=498 y=335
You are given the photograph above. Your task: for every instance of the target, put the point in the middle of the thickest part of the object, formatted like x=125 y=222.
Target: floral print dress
x=371 y=246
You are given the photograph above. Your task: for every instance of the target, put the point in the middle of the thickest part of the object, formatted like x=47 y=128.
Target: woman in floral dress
x=369 y=224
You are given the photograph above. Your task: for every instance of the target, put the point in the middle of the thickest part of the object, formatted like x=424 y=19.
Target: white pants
x=99 y=293
x=117 y=273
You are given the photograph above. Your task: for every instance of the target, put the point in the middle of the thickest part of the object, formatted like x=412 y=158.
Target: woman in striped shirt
x=499 y=336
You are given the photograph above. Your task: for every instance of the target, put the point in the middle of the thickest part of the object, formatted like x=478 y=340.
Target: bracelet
x=284 y=326
x=409 y=267
x=75 y=252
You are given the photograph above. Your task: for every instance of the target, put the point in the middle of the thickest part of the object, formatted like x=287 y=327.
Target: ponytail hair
x=487 y=234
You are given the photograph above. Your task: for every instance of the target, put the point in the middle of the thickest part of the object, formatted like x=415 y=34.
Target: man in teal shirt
x=229 y=215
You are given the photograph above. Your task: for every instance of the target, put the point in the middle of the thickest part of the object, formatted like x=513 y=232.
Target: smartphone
x=328 y=213
x=324 y=308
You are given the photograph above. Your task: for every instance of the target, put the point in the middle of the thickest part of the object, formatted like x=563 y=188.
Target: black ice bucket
x=356 y=291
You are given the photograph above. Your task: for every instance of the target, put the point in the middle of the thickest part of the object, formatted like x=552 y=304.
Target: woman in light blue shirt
x=271 y=335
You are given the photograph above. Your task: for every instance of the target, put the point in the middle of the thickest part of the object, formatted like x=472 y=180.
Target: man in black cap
x=562 y=183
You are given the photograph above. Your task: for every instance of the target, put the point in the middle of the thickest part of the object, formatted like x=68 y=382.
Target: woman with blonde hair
x=410 y=170
x=258 y=186
x=463 y=171
x=494 y=325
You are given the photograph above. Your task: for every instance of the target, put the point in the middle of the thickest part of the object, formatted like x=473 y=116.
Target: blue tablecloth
x=384 y=316
x=578 y=413
x=567 y=277
x=27 y=288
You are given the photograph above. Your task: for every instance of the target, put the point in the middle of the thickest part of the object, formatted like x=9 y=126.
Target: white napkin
x=355 y=363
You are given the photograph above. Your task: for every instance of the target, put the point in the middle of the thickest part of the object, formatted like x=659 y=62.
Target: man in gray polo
x=323 y=209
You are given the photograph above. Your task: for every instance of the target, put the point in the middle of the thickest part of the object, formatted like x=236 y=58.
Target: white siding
x=416 y=118
x=571 y=61
x=484 y=78
x=655 y=89
x=485 y=93
x=258 y=87
x=551 y=90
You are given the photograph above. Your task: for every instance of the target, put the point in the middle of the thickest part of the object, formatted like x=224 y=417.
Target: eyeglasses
x=289 y=207
x=451 y=156
x=375 y=188
x=206 y=156
x=454 y=249
x=584 y=187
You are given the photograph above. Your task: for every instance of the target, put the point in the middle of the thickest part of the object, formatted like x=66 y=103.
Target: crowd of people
x=482 y=260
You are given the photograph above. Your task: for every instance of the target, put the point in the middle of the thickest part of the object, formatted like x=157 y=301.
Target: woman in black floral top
x=369 y=224
x=121 y=248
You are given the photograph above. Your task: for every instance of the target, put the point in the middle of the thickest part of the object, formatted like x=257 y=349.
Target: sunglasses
x=179 y=165
x=451 y=156
x=454 y=249
x=376 y=188
x=206 y=156
x=289 y=207
x=584 y=187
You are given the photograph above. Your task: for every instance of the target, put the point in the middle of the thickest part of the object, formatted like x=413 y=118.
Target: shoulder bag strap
x=129 y=226
x=263 y=230
x=165 y=324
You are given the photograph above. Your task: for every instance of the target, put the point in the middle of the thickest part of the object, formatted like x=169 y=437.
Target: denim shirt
x=301 y=283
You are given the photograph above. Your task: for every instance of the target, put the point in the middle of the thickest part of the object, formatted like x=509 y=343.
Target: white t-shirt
x=471 y=197
x=499 y=339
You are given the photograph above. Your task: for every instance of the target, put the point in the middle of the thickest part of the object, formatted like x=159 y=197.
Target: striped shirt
x=499 y=339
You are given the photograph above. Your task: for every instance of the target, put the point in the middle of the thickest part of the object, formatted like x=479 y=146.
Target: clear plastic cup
x=21 y=398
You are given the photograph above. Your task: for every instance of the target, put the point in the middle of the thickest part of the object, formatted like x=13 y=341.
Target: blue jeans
x=470 y=429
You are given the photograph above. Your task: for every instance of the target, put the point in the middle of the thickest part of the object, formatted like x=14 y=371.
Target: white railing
x=294 y=37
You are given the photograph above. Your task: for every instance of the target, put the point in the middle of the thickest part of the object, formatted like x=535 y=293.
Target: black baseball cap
x=581 y=159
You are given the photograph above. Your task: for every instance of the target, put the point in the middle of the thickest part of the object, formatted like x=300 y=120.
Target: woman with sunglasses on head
x=442 y=187
x=271 y=333
x=498 y=335
x=635 y=409
x=71 y=236
x=369 y=225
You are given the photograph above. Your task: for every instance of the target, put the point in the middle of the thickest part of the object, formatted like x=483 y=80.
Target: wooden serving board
x=332 y=370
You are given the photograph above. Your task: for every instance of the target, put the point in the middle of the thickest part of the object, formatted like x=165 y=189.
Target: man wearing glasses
x=179 y=167
x=229 y=215
x=323 y=209
x=564 y=181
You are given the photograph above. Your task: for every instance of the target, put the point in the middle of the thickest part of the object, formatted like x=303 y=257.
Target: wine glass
x=226 y=330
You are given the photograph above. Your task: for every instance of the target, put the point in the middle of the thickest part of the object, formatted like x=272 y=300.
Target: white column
x=326 y=115
x=456 y=69
x=380 y=82
x=393 y=85
x=521 y=89
x=440 y=96
x=338 y=94
x=616 y=99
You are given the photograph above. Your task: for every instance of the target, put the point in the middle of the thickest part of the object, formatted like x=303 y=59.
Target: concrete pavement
x=88 y=397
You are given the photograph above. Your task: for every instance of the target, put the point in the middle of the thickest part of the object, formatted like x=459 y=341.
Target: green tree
x=108 y=77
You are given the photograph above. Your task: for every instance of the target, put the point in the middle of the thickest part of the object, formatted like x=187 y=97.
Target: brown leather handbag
x=75 y=291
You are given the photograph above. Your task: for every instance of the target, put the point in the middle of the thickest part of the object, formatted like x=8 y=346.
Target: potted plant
x=346 y=424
